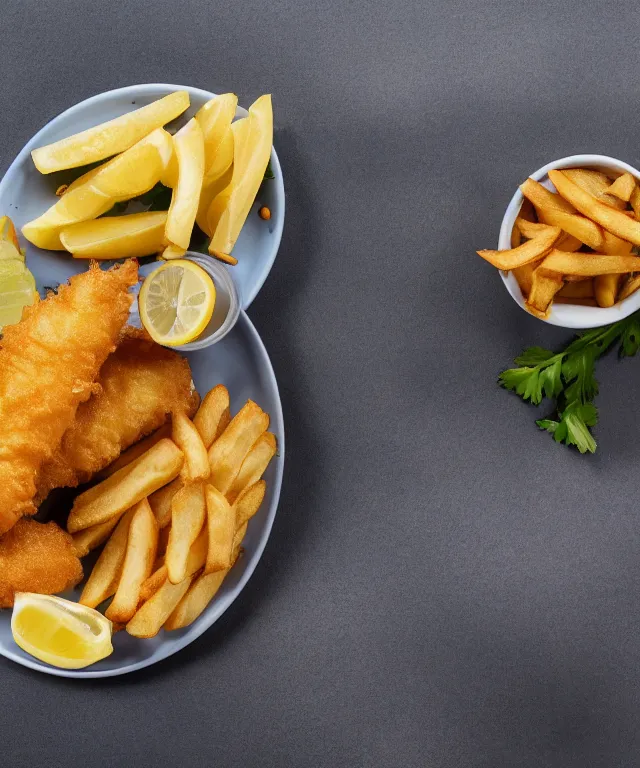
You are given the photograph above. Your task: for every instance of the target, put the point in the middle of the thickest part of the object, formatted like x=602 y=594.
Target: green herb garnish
x=567 y=378
x=268 y=174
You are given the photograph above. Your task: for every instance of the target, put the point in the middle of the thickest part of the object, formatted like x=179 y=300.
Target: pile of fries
x=577 y=245
x=173 y=511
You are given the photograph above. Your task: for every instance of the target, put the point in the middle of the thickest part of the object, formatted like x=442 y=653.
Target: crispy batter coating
x=36 y=557
x=139 y=385
x=48 y=364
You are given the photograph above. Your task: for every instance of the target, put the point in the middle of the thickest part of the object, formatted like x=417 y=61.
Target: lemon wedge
x=59 y=632
x=176 y=302
x=17 y=291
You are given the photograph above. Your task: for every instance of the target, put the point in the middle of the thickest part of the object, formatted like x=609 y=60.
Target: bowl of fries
x=569 y=242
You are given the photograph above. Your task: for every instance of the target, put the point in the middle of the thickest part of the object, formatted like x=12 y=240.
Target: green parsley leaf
x=268 y=173
x=533 y=356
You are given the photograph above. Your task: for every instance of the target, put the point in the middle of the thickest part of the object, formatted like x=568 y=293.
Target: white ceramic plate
x=239 y=361
x=25 y=193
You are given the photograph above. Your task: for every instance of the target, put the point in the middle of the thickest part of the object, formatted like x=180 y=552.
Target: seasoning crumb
x=264 y=213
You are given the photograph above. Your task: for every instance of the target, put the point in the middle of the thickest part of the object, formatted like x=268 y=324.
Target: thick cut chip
x=623 y=187
x=589 y=264
x=214 y=415
x=200 y=594
x=221 y=525
x=523 y=254
x=187 y=520
x=248 y=503
x=554 y=210
x=229 y=451
x=109 y=138
x=580 y=290
x=106 y=572
x=630 y=286
x=606 y=289
x=149 y=619
x=595 y=183
x=91 y=538
x=187 y=438
x=142 y=544
x=147 y=474
x=162 y=499
x=544 y=287
x=616 y=222
x=254 y=466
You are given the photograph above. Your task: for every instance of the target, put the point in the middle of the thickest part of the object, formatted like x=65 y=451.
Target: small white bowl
x=568 y=315
x=227 y=307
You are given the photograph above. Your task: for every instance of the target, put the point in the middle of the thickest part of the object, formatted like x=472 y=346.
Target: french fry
x=151 y=471
x=566 y=242
x=583 y=289
x=630 y=285
x=254 y=466
x=582 y=302
x=160 y=501
x=103 y=581
x=611 y=219
x=221 y=526
x=91 y=538
x=248 y=503
x=614 y=245
x=200 y=594
x=527 y=211
x=237 y=541
x=623 y=187
x=569 y=243
x=589 y=264
x=187 y=438
x=163 y=539
x=524 y=276
x=553 y=209
x=187 y=518
x=516 y=237
x=213 y=416
x=230 y=449
x=510 y=259
x=153 y=583
x=195 y=561
x=126 y=457
x=142 y=544
x=606 y=289
x=544 y=287
x=150 y=617
x=595 y=183
x=635 y=201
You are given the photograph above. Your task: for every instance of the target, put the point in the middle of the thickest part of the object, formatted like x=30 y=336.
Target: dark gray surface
x=444 y=586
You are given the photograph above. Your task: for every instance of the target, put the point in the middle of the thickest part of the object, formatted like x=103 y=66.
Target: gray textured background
x=444 y=586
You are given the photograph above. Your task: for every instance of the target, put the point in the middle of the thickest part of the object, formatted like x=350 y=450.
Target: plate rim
x=199 y=629
x=32 y=143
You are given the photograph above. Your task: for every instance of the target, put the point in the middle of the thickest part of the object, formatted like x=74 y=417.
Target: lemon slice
x=17 y=291
x=176 y=302
x=59 y=632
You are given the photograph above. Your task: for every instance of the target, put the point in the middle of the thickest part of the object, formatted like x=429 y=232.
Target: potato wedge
x=187 y=438
x=200 y=594
x=162 y=499
x=595 y=183
x=91 y=538
x=110 y=138
x=151 y=471
x=221 y=526
x=248 y=503
x=229 y=451
x=254 y=466
x=136 y=450
x=606 y=289
x=150 y=617
x=523 y=254
x=623 y=187
x=116 y=237
x=589 y=264
x=189 y=150
x=187 y=519
x=611 y=219
x=214 y=415
x=103 y=581
x=142 y=544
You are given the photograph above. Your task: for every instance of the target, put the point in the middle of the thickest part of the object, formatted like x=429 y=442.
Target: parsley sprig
x=568 y=379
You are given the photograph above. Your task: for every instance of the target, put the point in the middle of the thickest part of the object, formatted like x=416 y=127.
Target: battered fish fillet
x=48 y=364
x=140 y=384
x=36 y=557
